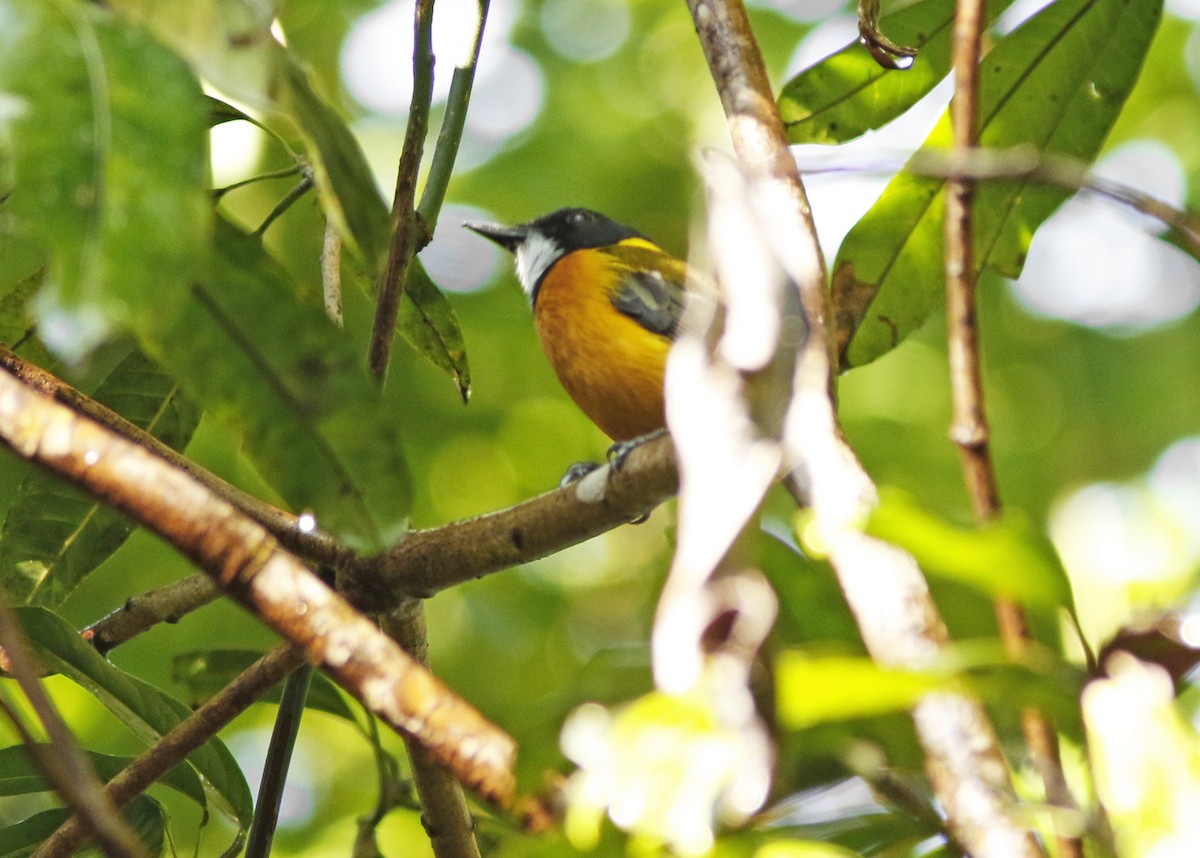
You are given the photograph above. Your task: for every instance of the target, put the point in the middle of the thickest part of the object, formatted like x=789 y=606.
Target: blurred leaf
x=105 y=180
x=144 y=709
x=1145 y=760
x=297 y=388
x=811 y=605
x=1057 y=83
x=17 y=329
x=19 y=775
x=849 y=92
x=813 y=689
x=55 y=535
x=865 y=833
x=206 y=672
x=428 y=322
x=227 y=41
x=1008 y=558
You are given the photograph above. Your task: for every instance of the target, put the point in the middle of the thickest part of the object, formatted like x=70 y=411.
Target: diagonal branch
x=251 y=565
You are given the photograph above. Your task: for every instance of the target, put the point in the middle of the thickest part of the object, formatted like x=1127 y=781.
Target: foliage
x=123 y=271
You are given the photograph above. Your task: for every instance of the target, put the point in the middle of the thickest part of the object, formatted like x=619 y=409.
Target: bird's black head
x=569 y=229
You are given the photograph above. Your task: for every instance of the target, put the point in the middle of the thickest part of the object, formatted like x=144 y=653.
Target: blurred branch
x=248 y=562
x=441 y=166
x=405 y=222
x=969 y=427
x=1024 y=162
x=889 y=598
x=428 y=561
x=166 y=604
x=61 y=760
x=188 y=735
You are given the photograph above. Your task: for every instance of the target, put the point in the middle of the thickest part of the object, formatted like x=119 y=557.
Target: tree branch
x=889 y=598
x=428 y=561
x=248 y=562
x=969 y=427
x=166 y=604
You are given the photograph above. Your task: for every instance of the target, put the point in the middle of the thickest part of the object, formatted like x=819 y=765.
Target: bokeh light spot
x=459 y=260
x=1100 y=266
x=585 y=30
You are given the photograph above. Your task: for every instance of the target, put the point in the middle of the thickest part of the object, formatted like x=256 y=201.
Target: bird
x=607 y=304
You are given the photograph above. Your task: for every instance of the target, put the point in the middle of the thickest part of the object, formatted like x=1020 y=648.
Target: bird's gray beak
x=508 y=237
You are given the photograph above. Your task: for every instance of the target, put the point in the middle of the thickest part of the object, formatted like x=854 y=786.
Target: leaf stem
x=441 y=166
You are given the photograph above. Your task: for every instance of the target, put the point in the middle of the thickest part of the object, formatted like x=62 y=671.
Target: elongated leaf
x=21 y=838
x=815 y=689
x=1009 y=559
x=849 y=92
x=19 y=775
x=1057 y=83
x=206 y=672
x=110 y=183
x=55 y=535
x=144 y=709
x=144 y=815
x=431 y=327
x=298 y=390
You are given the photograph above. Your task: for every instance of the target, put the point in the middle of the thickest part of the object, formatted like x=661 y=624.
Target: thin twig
x=62 y=761
x=277 y=763
x=969 y=428
x=302 y=187
x=188 y=735
x=891 y=603
x=441 y=165
x=405 y=223
x=1021 y=162
x=165 y=604
x=261 y=177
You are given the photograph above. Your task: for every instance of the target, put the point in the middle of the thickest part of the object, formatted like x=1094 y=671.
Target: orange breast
x=609 y=364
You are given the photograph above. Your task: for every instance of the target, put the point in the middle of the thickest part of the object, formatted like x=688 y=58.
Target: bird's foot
x=619 y=451
x=577 y=472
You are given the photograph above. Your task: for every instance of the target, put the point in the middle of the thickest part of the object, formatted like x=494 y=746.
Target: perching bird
x=606 y=304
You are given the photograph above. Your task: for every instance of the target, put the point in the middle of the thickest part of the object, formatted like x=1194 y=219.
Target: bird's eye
x=578 y=217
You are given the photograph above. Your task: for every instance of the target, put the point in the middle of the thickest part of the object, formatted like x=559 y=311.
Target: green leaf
x=1056 y=83
x=1008 y=558
x=144 y=815
x=296 y=387
x=55 y=535
x=144 y=709
x=19 y=775
x=110 y=183
x=849 y=92
x=349 y=196
x=206 y=672
x=428 y=322
x=815 y=689
x=21 y=838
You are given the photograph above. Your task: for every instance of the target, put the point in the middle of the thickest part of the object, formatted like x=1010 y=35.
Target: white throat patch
x=534 y=255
